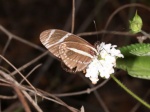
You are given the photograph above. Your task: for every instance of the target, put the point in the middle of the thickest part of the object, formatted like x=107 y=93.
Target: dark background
x=28 y=18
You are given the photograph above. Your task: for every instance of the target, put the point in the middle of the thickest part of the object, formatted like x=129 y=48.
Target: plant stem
x=130 y=92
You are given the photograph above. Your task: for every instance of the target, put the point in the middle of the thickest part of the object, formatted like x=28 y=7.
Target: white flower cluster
x=103 y=64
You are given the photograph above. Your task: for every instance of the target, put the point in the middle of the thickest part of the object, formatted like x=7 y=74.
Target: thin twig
x=98 y=97
x=130 y=92
x=17 y=71
x=30 y=63
x=8 y=97
x=20 y=39
x=68 y=25
x=105 y=32
x=22 y=99
x=47 y=96
x=6 y=46
x=29 y=74
x=123 y=7
x=32 y=102
x=145 y=34
x=73 y=16
x=37 y=66
x=13 y=106
x=15 y=84
x=41 y=94
x=87 y=91
x=138 y=104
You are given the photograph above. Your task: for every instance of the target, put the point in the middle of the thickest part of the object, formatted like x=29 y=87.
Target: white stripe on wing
x=61 y=40
x=81 y=52
x=50 y=35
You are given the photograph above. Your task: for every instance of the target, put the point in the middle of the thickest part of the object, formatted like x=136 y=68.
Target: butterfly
x=75 y=52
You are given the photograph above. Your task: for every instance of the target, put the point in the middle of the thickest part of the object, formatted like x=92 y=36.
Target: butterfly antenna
x=73 y=16
x=95 y=28
x=96 y=43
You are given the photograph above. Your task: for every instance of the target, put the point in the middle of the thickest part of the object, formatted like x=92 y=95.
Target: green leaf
x=136 y=60
x=136 y=66
x=141 y=50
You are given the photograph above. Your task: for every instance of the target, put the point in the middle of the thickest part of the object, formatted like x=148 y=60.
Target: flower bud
x=136 y=24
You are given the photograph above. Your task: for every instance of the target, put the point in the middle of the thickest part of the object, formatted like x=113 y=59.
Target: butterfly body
x=75 y=52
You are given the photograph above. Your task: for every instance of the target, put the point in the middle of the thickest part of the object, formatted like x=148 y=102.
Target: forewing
x=52 y=38
x=76 y=55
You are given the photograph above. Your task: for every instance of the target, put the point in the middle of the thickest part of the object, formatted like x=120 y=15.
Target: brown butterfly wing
x=49 y=38
x=76 y=55
x=52 y=38
x=75 y=52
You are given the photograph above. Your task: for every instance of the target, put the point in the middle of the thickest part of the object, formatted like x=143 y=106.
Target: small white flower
x=104 y=66
x=93 y=70
x=115 y=52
